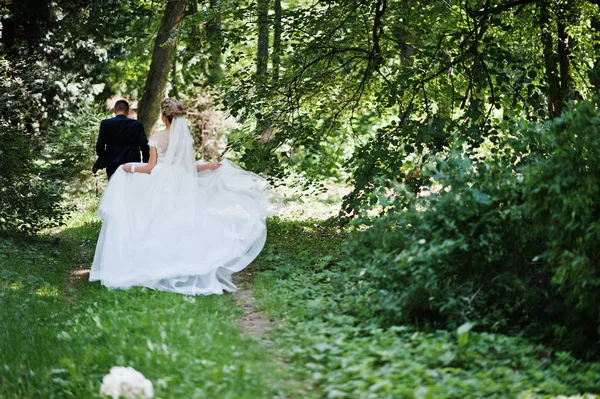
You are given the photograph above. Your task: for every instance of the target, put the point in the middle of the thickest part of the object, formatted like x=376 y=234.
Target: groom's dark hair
x=122 y=106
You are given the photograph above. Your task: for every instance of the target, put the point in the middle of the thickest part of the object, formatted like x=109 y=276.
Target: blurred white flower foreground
x=126 y=382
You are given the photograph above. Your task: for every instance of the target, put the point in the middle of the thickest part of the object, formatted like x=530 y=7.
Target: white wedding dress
x=178 y=230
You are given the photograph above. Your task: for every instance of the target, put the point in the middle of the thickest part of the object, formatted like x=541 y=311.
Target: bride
x=178 y=225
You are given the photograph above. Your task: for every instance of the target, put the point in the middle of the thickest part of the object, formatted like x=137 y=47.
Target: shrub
x=71 y=148
x=451 y=254
x=487 y=241
x=562 y=191
x=28 y=202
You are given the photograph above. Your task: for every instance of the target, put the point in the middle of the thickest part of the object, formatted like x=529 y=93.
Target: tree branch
x=501 y=8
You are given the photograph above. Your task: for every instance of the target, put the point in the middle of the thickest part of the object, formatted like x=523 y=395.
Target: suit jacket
x=120 y=141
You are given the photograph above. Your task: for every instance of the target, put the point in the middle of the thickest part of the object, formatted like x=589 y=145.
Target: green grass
x=59 y=335
x=340 y=356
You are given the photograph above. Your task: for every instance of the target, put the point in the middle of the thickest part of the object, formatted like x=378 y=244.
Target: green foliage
x=338 y=355
x=61 y=334
x=56 y=60
x=92 y=49
x=350 y=67
x=71 y=147
x=497 y=236
x=450 y=253
x=562 y=191
x=351 y=361
x=28 y=202
x=396 y=153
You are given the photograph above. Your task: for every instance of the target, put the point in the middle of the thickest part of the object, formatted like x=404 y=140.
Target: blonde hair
x=172 y=108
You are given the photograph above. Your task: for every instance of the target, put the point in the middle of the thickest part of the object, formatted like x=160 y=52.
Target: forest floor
x=277 y=337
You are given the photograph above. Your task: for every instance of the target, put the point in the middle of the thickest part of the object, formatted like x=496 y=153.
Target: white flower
x=126 y=382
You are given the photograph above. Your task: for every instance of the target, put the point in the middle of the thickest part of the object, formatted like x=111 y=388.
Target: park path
x=253 y=322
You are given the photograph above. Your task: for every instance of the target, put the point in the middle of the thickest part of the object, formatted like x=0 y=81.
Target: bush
x=562 y=191
x=488 y=242
x=28 y=202
x=71 y=148
x=458 y=253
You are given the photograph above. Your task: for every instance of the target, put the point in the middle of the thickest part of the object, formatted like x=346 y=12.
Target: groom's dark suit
x=120 y=141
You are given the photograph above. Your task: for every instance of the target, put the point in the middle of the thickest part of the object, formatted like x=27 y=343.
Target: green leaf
x=463 y=333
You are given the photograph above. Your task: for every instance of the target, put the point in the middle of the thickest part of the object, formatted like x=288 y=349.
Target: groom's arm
x=101 y=142
x=143 y=142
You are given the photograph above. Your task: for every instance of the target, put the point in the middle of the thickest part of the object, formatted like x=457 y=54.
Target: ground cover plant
x=501 y=233
x=61 y=334
x=340 y=355
x=462 y=260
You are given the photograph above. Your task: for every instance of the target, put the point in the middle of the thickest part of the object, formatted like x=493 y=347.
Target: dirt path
x=80 y=271
x=256 y=324
x=253 y=322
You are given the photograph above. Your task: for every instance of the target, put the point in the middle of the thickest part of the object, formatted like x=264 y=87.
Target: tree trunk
x=380 y=8
x=262 y=56
x=552 y=78
x=595 y=71
x=174 y=80
x=193 y=11
x=213 y=33
x=162 y=57
x=277 y=41
x=564 y=41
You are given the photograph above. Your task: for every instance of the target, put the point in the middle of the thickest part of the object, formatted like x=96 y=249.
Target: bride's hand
x=208 y=166
x=127 y=168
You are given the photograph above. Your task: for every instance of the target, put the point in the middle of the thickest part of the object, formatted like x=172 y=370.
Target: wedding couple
x=172 y=223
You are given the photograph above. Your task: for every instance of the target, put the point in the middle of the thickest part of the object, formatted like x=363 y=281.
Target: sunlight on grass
x=61 y=334
x=48 y=290
x=532 y=396
x=302 y=205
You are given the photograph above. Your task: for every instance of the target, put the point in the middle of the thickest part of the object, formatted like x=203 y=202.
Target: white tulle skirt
x=165 y=234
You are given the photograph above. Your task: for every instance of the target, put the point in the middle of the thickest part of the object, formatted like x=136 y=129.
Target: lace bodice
x=160 y=141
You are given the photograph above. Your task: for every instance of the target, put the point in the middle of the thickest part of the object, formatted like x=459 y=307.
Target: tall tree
x=550 y=60
x=564 y=43
x=595 y=71
x=262 y=60
x=277 y=40
x=215 y=39
x=262 y=56
x=162 y=59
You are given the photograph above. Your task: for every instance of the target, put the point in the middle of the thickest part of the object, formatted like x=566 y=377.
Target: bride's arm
x=146 y=168
x=207 y=166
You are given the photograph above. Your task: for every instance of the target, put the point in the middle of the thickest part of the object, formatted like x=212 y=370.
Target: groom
x=120 y=141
